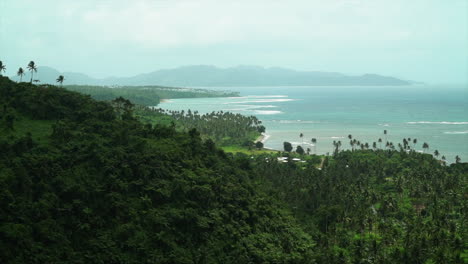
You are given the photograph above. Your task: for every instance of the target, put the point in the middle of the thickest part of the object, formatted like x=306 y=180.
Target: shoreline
x=262 y=138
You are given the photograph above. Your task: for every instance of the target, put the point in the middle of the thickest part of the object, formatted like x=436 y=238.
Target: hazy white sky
x=423 y=40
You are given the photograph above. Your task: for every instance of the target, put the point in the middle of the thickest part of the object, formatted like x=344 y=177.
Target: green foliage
x=287 y=146
x=224 y=128
x=83 y=181
x=145 y=95
x=107 y=188
x=377 y=206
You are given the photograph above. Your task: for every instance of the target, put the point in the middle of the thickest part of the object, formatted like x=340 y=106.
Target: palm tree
x=414 y=142
x=436 y=153
x=60 y=80
x=32 y=68
x=425 y=146
x=2 y=68
x=385 y=133
x=380 y=142
x=443 y=158
x=314 y=141
x=457 y=159
x=302 y=137
x=20 y=73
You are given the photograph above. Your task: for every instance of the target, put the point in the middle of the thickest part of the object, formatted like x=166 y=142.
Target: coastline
x=262 y=138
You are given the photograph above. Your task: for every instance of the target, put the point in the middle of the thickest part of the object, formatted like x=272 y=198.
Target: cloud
x=353 y=36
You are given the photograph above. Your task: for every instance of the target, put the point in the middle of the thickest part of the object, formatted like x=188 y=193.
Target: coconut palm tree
x=385 y=133
x=302 y=137
x=314 y=141
x=32 y=68
x=20 y=73
x=380 y=142
x=2 y=67
x=60 y=80
x=457 y=159
x=414 y=142
x=425 y=146
x=436 y=153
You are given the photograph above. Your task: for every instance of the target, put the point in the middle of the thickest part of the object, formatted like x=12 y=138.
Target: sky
x=421 y=40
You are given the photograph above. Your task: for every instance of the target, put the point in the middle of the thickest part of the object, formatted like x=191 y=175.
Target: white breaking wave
x=262 y=101
x=267 y=112
x=337 y=137
x=265 y=138
x=264 y=96
x=456 y=132
x=248 y=107
x=297 y=122
x=438 y=123
x=385 y=125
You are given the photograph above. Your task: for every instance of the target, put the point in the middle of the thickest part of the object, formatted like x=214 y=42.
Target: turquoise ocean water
x=437 y=115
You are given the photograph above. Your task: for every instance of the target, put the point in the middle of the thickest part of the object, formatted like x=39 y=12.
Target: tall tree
x=32 y=68
x=60 y=80
x=436 y=153
x=425 y=146
x=2 y=67
x=300 y=150
x=20 y=73
x=314 y=141
x=302 y=138
x=457 y=159
x=287 y=146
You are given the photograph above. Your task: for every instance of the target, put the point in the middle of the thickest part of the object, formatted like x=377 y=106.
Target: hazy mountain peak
x=209 y=75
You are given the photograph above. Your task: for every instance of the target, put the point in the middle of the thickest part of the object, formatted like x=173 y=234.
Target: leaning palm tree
x=2 y=67
x=32 y=68
x=60 y=80
x=20 y=73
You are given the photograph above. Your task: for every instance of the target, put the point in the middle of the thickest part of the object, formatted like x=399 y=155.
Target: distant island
x=211 y=76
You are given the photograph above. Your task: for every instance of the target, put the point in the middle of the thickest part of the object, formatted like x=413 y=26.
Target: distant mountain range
x=192 y=76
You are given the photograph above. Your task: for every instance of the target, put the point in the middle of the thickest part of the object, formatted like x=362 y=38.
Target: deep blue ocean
x=436 y=114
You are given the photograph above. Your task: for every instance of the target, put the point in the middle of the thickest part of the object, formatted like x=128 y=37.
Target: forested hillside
x=84 y=181
x=145 y=95
x=103 y=188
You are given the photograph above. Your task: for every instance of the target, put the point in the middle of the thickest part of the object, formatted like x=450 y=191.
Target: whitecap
x=262 y=101
x=267 y=112
x=456 y=132
x=297 y=122
x=437 y=123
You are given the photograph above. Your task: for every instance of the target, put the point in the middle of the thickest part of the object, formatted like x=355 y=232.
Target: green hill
x=84 y=181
